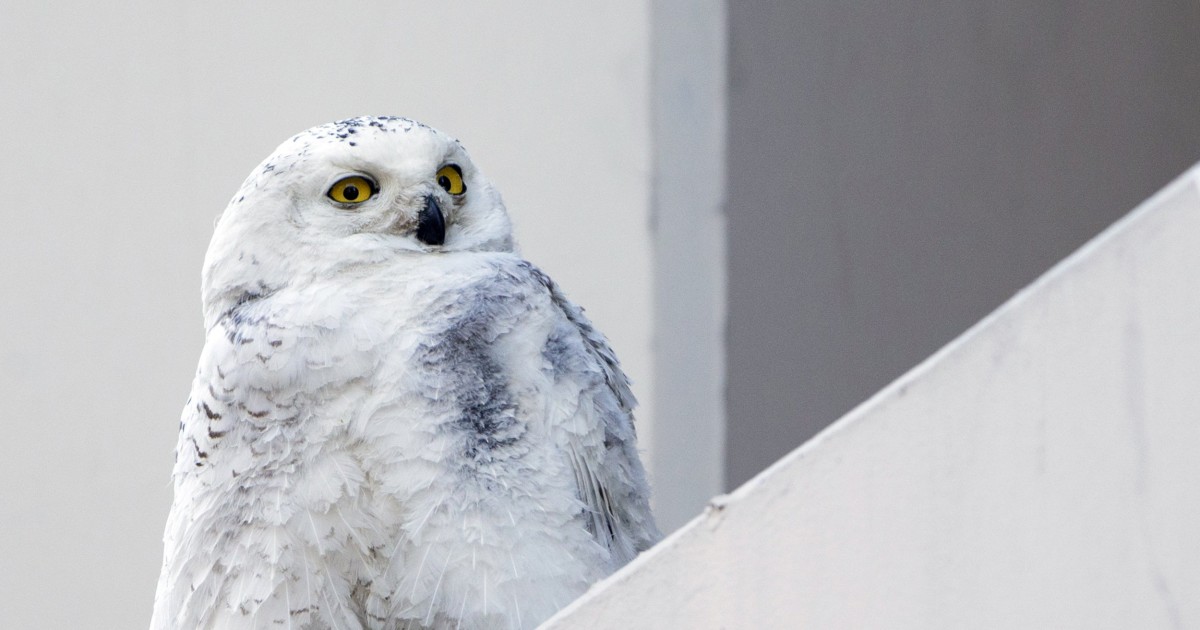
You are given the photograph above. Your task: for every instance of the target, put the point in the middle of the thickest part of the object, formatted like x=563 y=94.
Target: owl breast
x=429 y=466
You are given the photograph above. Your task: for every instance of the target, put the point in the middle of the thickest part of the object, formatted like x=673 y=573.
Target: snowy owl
x=396 y=421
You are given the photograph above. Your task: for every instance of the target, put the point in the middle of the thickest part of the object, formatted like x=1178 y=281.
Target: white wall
x=127 y=127
x=1038 y=472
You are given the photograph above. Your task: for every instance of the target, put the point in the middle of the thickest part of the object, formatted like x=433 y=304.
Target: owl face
x=411 y=186
x=353 y=192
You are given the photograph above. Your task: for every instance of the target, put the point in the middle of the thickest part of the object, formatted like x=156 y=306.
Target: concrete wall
x=1038 y=472
x=688 y=228
x=896 y=169
x=127 y=127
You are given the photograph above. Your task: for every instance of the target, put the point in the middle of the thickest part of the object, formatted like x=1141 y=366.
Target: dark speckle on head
x=341 y=130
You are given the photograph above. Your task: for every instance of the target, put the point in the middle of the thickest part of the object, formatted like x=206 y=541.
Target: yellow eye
x=353 y=189
x=450 y=178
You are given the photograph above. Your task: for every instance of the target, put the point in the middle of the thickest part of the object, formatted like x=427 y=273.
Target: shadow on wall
x=896 y=171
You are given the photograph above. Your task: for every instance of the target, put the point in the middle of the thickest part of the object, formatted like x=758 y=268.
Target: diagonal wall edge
x=1038 y=471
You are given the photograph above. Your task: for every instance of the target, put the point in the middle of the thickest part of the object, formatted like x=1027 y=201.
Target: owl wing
x=226 y=533
x=609 y=476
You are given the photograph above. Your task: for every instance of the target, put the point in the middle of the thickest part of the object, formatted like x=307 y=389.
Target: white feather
x=386 y=433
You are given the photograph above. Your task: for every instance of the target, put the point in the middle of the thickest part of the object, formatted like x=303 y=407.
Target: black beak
x=431 y=223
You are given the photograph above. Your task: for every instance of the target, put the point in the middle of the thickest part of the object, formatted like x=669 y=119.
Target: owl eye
x=353 y=189
x=450 y=178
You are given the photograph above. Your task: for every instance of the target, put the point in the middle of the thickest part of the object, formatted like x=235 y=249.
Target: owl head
x=347 y=194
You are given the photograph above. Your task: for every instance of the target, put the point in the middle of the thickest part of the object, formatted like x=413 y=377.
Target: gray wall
x=897 y=169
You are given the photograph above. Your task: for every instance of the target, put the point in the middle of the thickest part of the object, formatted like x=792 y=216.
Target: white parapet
x=1041 y=471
